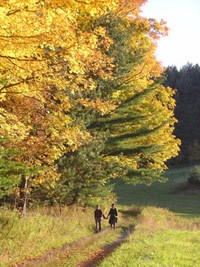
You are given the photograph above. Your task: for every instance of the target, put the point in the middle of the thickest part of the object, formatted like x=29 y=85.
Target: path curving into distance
x=97 y=257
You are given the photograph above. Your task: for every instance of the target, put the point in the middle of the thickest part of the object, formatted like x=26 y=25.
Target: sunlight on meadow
x=40 y=231
x=160 y=239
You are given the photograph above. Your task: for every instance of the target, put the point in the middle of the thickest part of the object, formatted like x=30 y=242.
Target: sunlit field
x=161 y=239
x=40 y=231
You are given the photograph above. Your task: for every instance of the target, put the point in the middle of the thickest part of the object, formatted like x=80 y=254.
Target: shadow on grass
x=164 y=195
x=133 y=212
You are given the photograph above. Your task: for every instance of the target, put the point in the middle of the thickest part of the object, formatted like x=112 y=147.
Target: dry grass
x=160 y=218
x=40 y=231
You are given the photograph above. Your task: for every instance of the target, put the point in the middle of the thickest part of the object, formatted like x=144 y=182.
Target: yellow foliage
x=47 y=50
x=52 y=55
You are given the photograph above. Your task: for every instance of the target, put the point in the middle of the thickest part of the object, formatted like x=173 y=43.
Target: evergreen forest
x=186 y=85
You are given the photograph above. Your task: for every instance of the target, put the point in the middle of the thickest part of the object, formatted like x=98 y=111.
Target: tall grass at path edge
x=40 y=231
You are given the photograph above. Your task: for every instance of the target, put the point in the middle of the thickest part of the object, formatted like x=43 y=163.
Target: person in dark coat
x=98 y=214
x=112 y=216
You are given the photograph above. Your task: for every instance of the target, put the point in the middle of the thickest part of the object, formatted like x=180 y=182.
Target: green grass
x=161 y=239
x=162 y=194
x=162 y=249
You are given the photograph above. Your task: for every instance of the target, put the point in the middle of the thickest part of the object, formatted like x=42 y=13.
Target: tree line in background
x=81 y=100
x=186 y=84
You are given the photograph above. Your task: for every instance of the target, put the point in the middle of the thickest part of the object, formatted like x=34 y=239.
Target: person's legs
x=98 y=225
x=96 y=221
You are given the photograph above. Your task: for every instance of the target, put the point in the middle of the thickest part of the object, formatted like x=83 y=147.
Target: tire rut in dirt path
x=52 y=253
x=100 y=255
x=68 y=248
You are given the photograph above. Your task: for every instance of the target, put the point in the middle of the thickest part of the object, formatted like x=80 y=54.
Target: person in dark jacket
x=98 y=214
x=112 y=216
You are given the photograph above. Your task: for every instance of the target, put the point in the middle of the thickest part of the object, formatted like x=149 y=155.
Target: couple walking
x=98 y=214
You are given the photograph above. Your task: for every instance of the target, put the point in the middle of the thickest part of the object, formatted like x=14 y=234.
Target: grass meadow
x=166 y=195
x=162 y=238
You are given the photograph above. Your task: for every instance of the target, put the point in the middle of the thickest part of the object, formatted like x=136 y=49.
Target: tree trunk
x=23 y=195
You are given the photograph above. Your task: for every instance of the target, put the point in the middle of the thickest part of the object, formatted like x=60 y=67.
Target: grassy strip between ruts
x=161 y=239
x=40 y=231
x=82 y=251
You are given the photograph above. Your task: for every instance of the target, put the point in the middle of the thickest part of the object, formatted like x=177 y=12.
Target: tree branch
x=82 y=2
x=21 y=59
x=21 y=36
x=14 y=84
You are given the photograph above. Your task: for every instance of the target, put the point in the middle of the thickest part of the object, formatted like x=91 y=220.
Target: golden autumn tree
x=70 y=70
x=49 y=57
